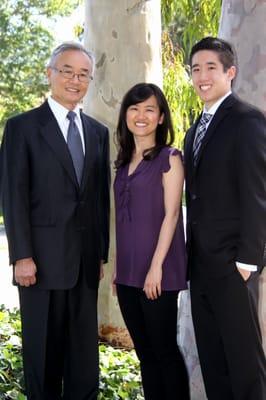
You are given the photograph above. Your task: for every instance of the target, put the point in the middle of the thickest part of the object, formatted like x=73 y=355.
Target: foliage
x=11 y=377
x=202 y=19
x=120 y=375
x=198 y=17
x=25 y=45
x=184 y=23
x=184 y=104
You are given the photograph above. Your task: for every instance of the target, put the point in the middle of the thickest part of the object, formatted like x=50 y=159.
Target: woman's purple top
x=139 y=204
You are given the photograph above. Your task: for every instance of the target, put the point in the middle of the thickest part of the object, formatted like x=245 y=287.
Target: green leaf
x=25 y=46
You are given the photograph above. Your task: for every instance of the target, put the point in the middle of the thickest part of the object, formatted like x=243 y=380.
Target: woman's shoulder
x=170 y=151
x=165 y=155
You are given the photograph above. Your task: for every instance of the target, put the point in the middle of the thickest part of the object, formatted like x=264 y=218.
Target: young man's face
x=209 y=79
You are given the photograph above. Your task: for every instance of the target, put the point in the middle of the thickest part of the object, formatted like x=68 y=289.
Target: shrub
x=120 y=375
x=11 y=376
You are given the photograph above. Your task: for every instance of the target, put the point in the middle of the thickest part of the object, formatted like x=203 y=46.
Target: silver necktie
x=75 y=145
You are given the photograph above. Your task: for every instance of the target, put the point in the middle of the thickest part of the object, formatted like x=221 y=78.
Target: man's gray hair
x=70 y=46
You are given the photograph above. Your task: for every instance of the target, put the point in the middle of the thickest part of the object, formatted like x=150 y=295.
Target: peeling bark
x=243 y=24
x=126 y=41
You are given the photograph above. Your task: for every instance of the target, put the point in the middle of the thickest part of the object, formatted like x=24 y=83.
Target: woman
x=150 y=259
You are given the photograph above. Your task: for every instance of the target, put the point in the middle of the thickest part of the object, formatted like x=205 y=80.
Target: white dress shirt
x=60 y=113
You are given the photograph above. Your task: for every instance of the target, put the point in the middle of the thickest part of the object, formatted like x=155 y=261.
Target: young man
x=55 y=183
x=225 y=161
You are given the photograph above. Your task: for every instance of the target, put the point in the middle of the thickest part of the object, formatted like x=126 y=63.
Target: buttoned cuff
x=247 y=267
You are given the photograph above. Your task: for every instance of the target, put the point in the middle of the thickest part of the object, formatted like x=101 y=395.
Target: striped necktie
x=200 y=133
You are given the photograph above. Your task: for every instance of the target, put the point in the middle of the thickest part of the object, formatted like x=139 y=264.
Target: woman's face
x=143 y=118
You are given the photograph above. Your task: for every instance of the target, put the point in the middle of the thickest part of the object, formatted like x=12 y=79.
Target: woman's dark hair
x=124 y=138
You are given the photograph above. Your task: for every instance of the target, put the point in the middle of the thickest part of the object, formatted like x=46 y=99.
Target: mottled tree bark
x=243 y=23
x=125 y=36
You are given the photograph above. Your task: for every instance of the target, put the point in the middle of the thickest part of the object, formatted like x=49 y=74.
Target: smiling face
x=69 y=92
x=143 y=118
x=210 y=80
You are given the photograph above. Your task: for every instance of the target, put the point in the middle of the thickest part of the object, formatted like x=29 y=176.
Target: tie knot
x=71 y=115
x=205 y=118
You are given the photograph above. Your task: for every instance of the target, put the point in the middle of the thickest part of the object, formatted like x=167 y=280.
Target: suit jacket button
x=194 y=196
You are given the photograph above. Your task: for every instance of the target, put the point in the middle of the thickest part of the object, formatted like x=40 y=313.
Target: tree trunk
x=125 y=37
x=243 y=24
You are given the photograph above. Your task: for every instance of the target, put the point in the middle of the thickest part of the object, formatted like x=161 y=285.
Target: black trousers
x=60 y=342
x=152 y=325
x=228 y=335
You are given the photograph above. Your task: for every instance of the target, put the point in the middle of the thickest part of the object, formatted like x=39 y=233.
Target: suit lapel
x=222 y=111
x=190 y=138
x=90 y=137
x=54 y=137
x=188 y=154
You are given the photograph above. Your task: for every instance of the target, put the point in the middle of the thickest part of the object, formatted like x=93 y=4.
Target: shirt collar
x=60 y=111
x=216 y=105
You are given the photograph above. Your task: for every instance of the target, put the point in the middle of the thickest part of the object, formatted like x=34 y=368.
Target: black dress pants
x=152 y=325
x=228 y=335
x=60 y=342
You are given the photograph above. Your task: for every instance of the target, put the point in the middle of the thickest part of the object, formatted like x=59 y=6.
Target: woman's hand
x=152 y=284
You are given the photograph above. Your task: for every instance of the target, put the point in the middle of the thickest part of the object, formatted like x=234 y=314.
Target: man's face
x=69 y=92
x=209 y=79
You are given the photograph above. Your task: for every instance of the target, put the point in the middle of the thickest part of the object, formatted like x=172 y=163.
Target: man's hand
x=244 y=273
x=25 y=272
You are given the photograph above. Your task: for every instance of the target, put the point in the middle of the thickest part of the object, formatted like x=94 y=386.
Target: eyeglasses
x=68 y=74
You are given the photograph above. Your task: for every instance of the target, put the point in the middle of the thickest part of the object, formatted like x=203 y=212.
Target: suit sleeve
x=251 y=164
x=15 y=184
x=104 y=211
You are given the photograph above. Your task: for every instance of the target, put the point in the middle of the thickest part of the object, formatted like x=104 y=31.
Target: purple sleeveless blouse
x=139 y=206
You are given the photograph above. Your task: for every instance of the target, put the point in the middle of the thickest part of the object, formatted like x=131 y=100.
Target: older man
x=55 y=176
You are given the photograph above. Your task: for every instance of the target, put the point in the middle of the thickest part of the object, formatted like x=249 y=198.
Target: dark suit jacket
x=47 y=215
x=226 y=190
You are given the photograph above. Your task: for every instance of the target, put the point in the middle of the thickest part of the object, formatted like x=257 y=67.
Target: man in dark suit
x=55 y=176
x=225 y=161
